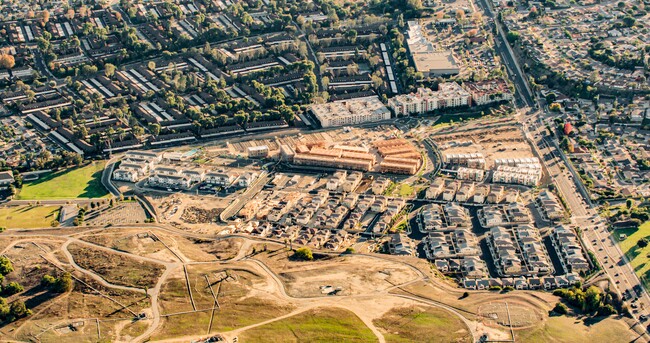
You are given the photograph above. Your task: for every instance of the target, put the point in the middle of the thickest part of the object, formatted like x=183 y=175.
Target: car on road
x=643 y=318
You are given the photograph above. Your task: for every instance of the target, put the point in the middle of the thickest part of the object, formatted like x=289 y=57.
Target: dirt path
x=367 y=306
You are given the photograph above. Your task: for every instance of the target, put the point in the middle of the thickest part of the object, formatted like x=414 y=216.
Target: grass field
x=412 y=324
x=405 y=190
x=320 y=325
x=83 y=182
x=570 y=330
x=26 y=217
x=639 y=257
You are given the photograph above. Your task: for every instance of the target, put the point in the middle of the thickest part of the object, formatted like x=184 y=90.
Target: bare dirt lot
x=353 y=275
x=138 y=242
x=114 y=268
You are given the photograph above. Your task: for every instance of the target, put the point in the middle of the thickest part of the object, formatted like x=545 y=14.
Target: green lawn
x=319 y=325
x=26 y=217
x=422 y=324
x=639 y=257
x=405 y=190
x=83 y=182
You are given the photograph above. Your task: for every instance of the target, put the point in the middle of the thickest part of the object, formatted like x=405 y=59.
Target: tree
x=560 y=308
x=12 y=288
x=512 y=36
x=109 y=70
x=642 y=243
x=7 y=61
x=4 y=309
x=18 y=310
x=629 y=203
x=61 y=284
x=555 y=107
x=46 y=16
x=5 y=266
x=304 y=254
x=352 y=36
x=64 y=283
x=48 y=281
x=154 y=128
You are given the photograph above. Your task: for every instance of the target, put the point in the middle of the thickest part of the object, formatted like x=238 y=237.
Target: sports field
x=82 y=182
x=639 y=257
x=27 y=217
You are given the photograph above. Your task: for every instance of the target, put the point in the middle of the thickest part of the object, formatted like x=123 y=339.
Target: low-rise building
x=247 y=179
x=568 y=248
x=258 y=151
x=550 y=205
x=472 y=174
x=219 y=178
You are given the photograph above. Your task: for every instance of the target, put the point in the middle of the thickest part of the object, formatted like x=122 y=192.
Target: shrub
x=5 y=266
x=12 y=288
x=560 y=308
x=304 y=254
x=59 y=284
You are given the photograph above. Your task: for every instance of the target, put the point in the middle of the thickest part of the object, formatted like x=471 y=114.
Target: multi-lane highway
x=584 y=216
x=595 y=234
x=524 y=93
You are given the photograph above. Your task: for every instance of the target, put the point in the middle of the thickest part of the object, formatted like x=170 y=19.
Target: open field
x=639 y=257
x=117 y=269
x=571 y=330
x=222 y=249
x=317 y=325
x=83 y=182
x=26 y=217
x=67 y=317
x=353 y=274
x=137 y=242
x=239 y=294
x=412 y=324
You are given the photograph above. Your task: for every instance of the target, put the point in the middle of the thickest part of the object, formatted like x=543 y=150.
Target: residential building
x=449 y=94
x=350 y=112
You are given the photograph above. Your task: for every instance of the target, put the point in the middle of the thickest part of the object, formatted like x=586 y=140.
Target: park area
x=28 y=217
x=317 y=325
x=82 y=182
x=638 y=255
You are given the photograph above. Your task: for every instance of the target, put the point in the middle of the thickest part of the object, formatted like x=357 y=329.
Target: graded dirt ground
x=354 y=275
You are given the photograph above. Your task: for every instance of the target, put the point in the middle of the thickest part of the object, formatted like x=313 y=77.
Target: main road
x=595 y=235
x=524 y=92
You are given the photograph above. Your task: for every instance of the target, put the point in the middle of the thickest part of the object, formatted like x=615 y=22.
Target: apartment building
x=449 y=94
x=350 y=112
